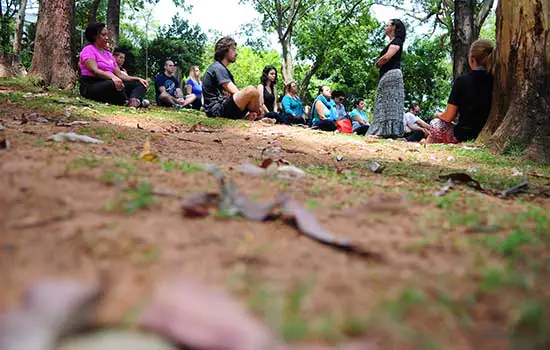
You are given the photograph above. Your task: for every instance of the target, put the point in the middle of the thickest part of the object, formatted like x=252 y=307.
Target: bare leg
x=249 y=99
x=189 y=99
x=167 y=98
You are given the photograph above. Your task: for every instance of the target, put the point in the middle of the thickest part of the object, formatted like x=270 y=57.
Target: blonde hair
x=191 y=75
x=482 y=51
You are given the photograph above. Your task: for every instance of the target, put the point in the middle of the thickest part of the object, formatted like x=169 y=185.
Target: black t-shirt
x=472 y=94
x=170 y=83
x=212 y=85
x=395 y=61
x=269 y=100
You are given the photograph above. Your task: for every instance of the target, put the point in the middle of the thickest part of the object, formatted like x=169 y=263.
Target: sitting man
x=120 y=58
x=222 y=98
x=167 y=88
x=415 y=128
x=338 y=97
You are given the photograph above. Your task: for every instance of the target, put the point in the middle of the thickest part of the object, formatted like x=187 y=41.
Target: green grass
x=132 y=199
x=97 y=131
x=88 y=162
x=120 y=173
x=183 y=166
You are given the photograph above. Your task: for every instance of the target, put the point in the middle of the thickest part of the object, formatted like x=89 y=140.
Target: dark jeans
x=104 y=90
x=290 y=120
x=197 y=104
x=326 y=125
x=276 y=116
x=414 y=136
x=362 y=130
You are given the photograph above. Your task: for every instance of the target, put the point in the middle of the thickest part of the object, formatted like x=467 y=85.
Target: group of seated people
x=103 y=79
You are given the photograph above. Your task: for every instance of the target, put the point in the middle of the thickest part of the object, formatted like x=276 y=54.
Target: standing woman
x=101 y=79
x=268 y=93
x=387 y=119
x=194 y=86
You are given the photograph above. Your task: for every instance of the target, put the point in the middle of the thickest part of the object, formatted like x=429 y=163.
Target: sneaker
x=269 y=120
x=134 y=102
x=145 y=103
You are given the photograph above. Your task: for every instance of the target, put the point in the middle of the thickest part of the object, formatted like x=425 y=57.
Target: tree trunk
x=520 y=112
x=92 y=17
x=302 y=90
x=463 y=35
x=52 y=49
x=288 y=64
x=113 y=21
x=19 y=26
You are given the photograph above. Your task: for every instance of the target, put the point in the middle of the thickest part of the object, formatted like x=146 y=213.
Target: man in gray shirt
x=222 y=98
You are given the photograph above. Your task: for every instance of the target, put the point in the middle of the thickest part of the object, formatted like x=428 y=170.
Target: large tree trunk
x=521 y=98
x=302 y=90
x=52 y=49
x=463 y=35
x=92 y=17
x=19 y=26
x=113 y=21
x=288 y=64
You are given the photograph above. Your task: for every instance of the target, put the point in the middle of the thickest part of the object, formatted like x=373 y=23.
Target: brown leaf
x=311 y=228
x=146 y=153
x=200 y=318
x=266 y=162
x=49 y=309
x=139 y=127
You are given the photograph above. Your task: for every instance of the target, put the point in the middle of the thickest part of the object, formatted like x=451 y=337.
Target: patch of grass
x=186 y=167
x=88 y=162
x=121 y=172
x=97 y=131
x=530 y=330
x=494 y=279
x=514 y=149
x=312 y=204
x=132 y=199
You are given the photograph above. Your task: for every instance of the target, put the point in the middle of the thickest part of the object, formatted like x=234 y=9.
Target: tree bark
x=463 y=35
x=19 y=26
x=53 y=44
x=520 y=112
x=92 y=17
x=113 y=21
x=302 y=90
x=288 y=64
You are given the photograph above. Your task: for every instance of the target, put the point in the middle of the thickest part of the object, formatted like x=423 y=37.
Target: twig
x=44 y=222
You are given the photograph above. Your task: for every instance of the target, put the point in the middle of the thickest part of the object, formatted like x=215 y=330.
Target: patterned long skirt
x=442 y=132
x=387 y=119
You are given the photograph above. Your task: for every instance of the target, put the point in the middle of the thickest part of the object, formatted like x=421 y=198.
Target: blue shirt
x=329 y=109
x=340 y=111
x=293 y=106
x=170 y=83
x=355 y=124
x=196 y=88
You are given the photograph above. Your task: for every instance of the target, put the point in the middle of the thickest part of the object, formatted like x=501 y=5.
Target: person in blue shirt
x=167 y=88
x=193 y=86
x=359 y=121
x=293 y=109
x=338 y=97
x=324 y=111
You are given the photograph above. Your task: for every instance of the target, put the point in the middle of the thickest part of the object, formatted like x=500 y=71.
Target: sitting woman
x=324 y=111
x=293 y=109
x=359 y=121
x=470 y=100
x=268 y=93
x=194 y=86
x=101 y=78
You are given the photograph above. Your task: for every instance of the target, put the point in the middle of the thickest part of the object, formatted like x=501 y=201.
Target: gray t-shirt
x=212 y=86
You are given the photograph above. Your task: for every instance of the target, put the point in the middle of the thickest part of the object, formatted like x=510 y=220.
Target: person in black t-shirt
x=222 y=98
x=470 y=100
x=387 y=120
x=168 y=90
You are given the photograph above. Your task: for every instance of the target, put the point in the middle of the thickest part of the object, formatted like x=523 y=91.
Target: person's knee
x=251 y=92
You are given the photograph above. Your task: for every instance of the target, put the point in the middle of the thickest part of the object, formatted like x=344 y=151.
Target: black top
x=395 y=61
x=472 y=94
x=170 y=83
x=212 y=85
x=269 y=99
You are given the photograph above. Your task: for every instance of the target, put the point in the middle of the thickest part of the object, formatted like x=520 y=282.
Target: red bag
x=344 y=126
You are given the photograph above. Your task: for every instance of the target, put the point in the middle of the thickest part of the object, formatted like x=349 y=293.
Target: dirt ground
x=456 y=271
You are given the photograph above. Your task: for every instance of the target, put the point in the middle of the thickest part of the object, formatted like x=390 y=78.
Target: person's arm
x=188 y=88
x=126 y=77
x=356 y=117
x=319 y=108
x=422 y=123
x=392 y=50
x=261 y=92
x=91 y=65
x=286 y=106
x=275 y=108
x=449 y=114
x=179 y=93
x=231 y=88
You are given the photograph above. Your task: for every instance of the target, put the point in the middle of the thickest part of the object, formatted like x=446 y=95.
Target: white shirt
x=409 y=119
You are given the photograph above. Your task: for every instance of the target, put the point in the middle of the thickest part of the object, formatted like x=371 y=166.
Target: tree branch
x=267 y=13
x=483 y=12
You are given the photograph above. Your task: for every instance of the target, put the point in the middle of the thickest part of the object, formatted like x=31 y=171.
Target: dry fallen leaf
x=200 y=318
x=146 y=153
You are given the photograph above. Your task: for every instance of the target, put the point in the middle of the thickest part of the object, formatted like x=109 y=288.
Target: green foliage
x=489 y=28
x=427 y=75
x=133 y=199
x=180 y=41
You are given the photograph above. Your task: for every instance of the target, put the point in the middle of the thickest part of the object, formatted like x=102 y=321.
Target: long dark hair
x=265 y=73
x=400 y=31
